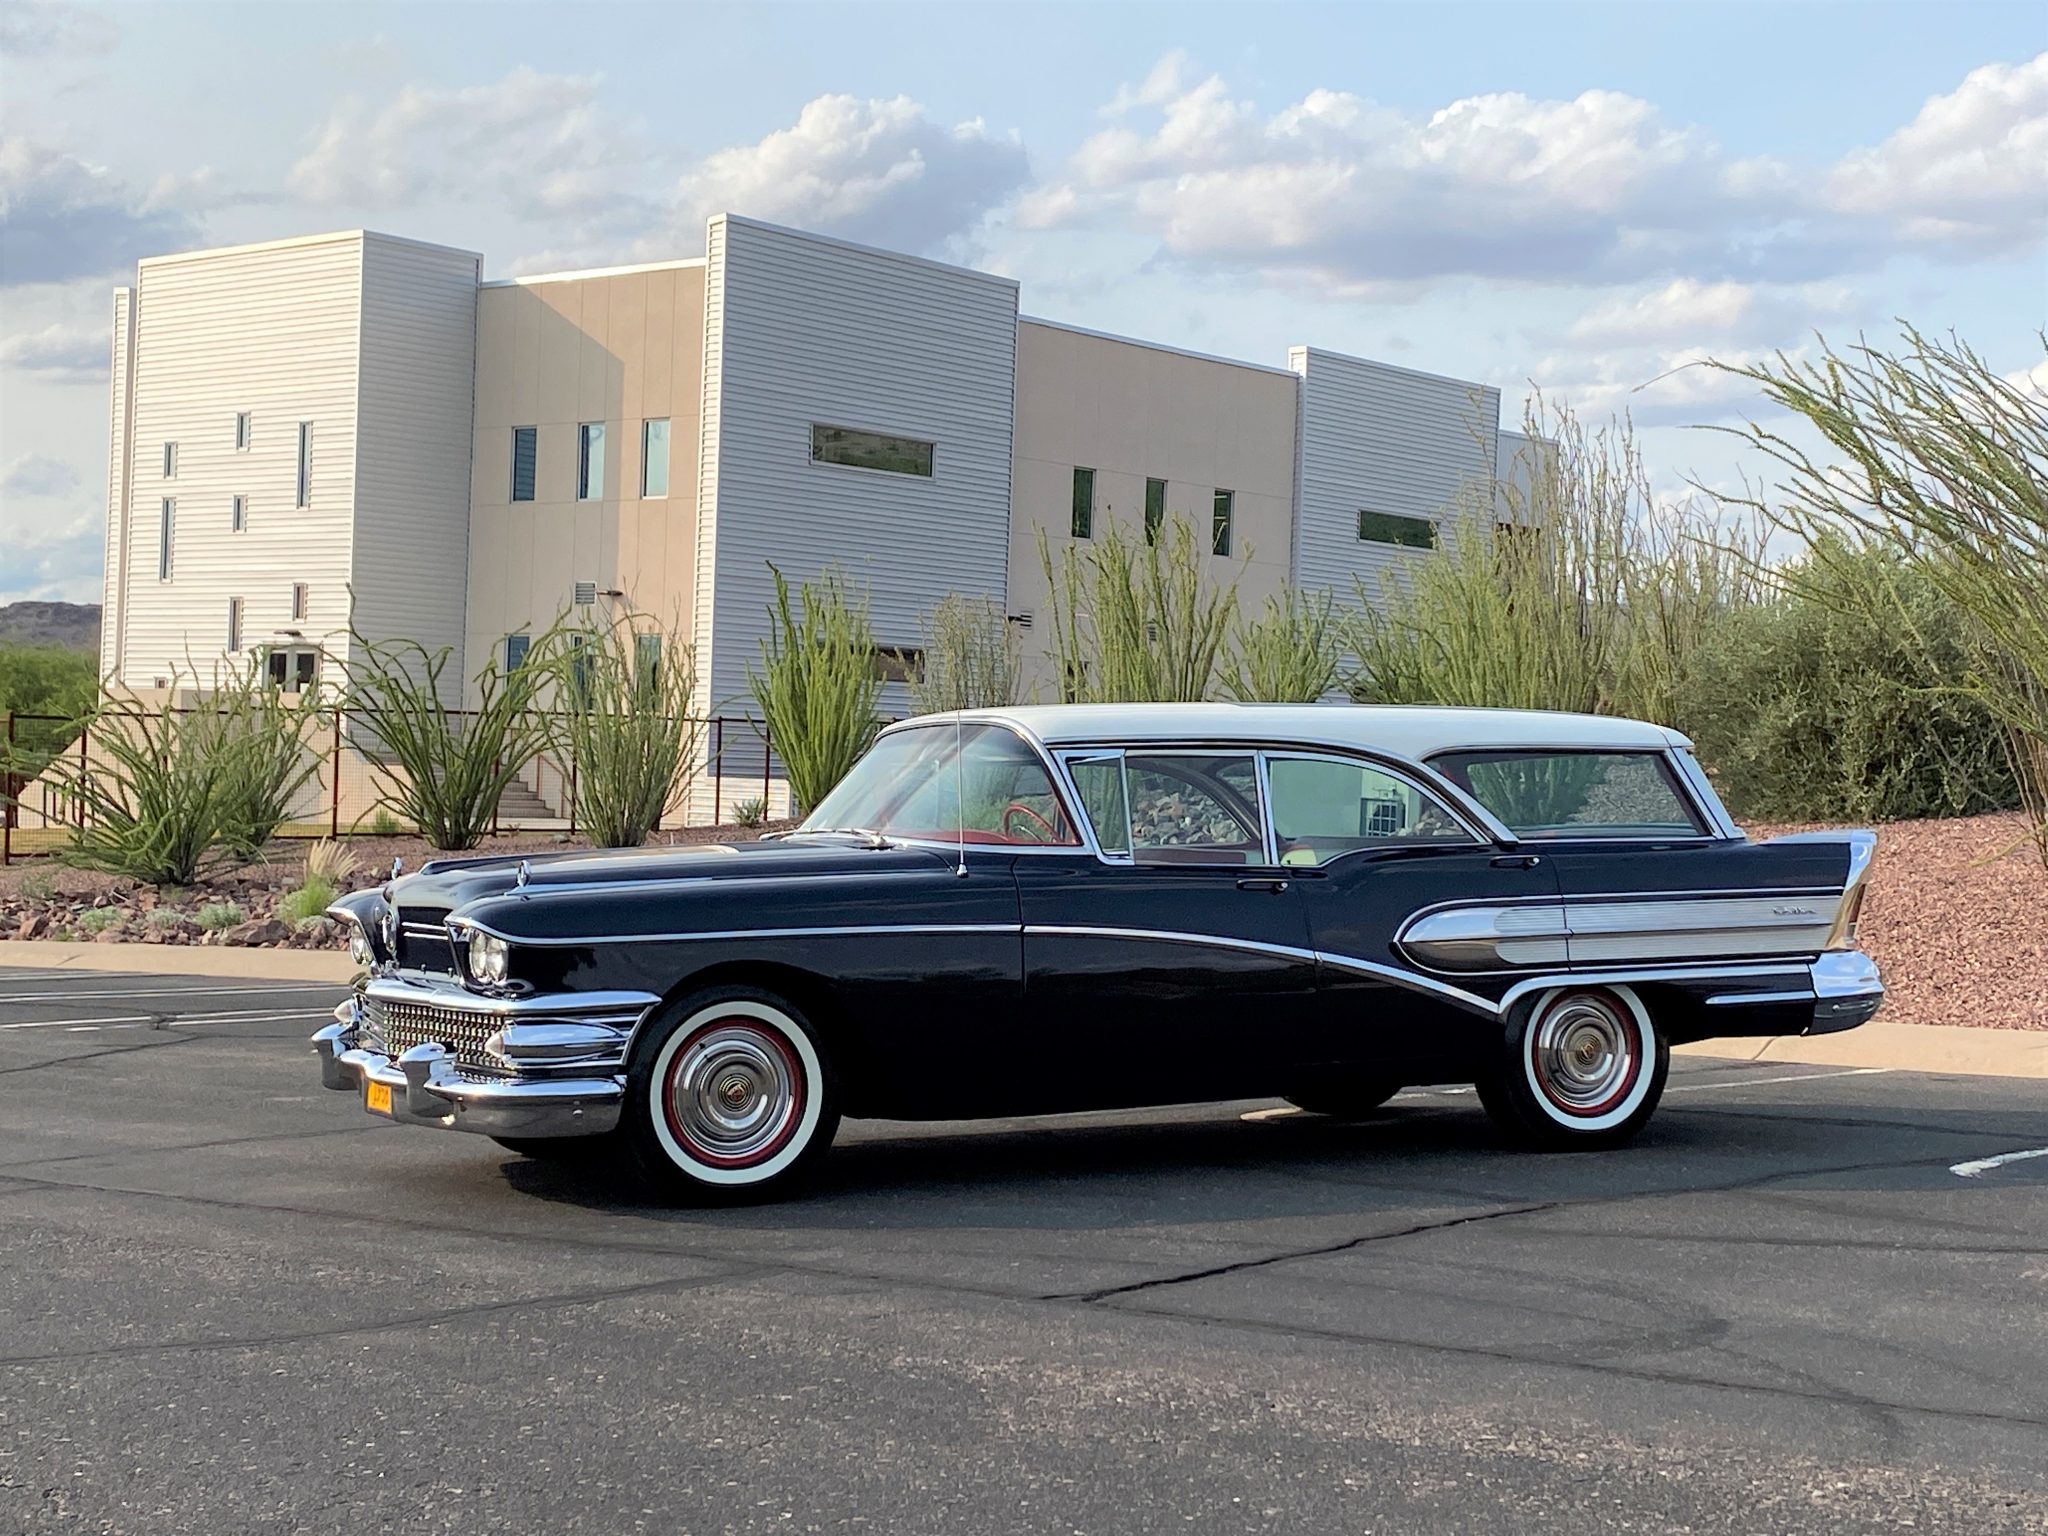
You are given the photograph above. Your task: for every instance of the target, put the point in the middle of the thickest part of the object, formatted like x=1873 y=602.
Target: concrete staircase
x=520 y=806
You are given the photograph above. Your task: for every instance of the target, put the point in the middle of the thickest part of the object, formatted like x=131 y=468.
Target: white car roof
x=1414 y=731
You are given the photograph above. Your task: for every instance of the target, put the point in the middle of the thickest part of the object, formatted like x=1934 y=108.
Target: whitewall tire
x=1585 y=1067
x=732 y=1097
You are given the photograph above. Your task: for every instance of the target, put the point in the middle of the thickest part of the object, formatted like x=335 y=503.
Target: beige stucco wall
x=617 y=347
x=1132 y=412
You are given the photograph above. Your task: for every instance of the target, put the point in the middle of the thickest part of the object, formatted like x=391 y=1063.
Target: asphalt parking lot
x=230 y=1301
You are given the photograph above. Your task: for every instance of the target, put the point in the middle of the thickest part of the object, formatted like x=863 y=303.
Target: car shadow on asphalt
x=1206 y=1165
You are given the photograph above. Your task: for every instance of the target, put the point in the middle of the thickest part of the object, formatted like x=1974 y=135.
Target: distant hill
x=76 y=626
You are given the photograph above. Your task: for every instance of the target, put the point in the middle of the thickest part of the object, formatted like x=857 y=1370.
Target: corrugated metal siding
x=801 y=330
x=1382 y=439
x=271 y=330
x=120 y=428
x=412 y=488
x=1521 y=460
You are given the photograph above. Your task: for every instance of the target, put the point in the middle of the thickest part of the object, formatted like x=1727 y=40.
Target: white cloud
x=879 y=171
x=54 y=532
x=1338 y=193
x=534 y=142
x=38 y=474
x=1971 y=168
x=44 y=27
x=1686 y=309
x=61 y=218
x=60 y=353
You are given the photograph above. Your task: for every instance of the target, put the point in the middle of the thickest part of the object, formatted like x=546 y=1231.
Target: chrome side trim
x=1621 y=928
x=1522 y=989
x=1488 y=937
x=1736 y=999
x=744 y=933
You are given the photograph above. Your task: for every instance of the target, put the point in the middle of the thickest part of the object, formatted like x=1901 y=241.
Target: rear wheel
x=1585 y=1067
x=1345 y=1098
x=732 y=1099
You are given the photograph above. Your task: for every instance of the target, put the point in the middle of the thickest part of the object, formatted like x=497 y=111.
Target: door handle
x=1273 y=887
x=1518 y=861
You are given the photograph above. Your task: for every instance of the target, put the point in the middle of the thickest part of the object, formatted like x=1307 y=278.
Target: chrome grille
x=402 y=1026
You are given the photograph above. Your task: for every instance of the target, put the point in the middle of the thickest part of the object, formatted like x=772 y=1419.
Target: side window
x=1101 y=783
x=1194 y=808
x=1326 y=807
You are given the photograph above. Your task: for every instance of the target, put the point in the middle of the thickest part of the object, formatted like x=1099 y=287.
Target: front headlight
x=487 y=957
x=359 y=946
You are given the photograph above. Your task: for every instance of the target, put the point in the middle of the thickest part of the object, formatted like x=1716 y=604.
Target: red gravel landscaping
x=1957 y=920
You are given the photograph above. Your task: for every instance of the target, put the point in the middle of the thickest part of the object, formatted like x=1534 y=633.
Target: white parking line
x=1804 y=1077
x=246 y=1016
x=1970 y=1170
x=74 y=995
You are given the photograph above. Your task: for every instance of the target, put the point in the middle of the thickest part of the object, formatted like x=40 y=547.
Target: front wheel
x=1585 y=1067
x=732 y=1099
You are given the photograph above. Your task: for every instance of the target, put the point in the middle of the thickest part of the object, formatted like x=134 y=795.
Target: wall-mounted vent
x=1021 y=620
x=586 y=593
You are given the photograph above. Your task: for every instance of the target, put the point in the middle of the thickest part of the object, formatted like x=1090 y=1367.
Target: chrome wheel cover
x=1586 y=1052
x=734 y=1093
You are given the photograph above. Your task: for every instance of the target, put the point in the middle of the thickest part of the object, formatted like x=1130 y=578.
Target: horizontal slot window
x=871 y=450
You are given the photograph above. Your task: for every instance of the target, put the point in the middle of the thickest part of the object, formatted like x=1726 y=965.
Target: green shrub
x=1137 y=622
x=46 y=680
x=1828 y=703
x=817 y=685
x=100 y=919
x=164 y=919
x=216 y=915
x=39 y=885
x=154 y=794
x=969 y=660
x=1288 y=653
x=628 y=723
x=308 y=901
x=383 y=823
x=267 y=734
x=751 y=812
x=451 y=766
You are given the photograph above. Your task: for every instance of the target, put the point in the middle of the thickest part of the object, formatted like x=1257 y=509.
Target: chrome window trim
x=1477 y=839
x=1686 y=793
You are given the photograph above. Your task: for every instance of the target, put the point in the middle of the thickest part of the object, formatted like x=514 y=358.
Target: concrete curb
x=181 y=960
x=1945 y=1048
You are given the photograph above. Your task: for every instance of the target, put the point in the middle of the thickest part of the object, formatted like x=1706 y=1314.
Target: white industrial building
x=356 y=419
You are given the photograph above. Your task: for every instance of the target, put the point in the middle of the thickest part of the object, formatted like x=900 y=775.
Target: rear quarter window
x=1576 y=794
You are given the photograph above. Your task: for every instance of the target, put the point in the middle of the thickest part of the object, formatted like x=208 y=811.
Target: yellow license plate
x=377 y=1098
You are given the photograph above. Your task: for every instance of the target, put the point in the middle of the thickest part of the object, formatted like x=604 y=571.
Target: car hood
x=447 y=885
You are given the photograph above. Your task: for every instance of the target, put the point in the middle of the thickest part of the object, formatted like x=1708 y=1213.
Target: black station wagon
x=1037 y=910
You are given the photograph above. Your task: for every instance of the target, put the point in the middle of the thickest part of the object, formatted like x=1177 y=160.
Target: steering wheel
x=1018 y=808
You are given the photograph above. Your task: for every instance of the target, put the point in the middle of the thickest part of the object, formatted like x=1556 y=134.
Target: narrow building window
x=170 y=461
x=1219 y=528
x=524 y=440
x=516 y=647
x=647 y=664
x=238 y=515
x=590 y=461
x=299 y=599
x=241 y=431
x=305 y=486
x=1393 y=528
x=167 y=517
x=234 y=625
x=654 y=458
x=1155 y=509
x=1083 y=525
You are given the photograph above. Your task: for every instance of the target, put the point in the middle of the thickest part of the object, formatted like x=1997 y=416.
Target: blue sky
x=1582 y=197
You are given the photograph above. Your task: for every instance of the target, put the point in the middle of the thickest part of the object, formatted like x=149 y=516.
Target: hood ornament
x=525 y=874
x=397 y=865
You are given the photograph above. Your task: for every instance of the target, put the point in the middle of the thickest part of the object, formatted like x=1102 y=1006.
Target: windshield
x=1575 y=794
x=912 y=782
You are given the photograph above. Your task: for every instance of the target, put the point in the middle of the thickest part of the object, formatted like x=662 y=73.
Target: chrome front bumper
x=560 y=1061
